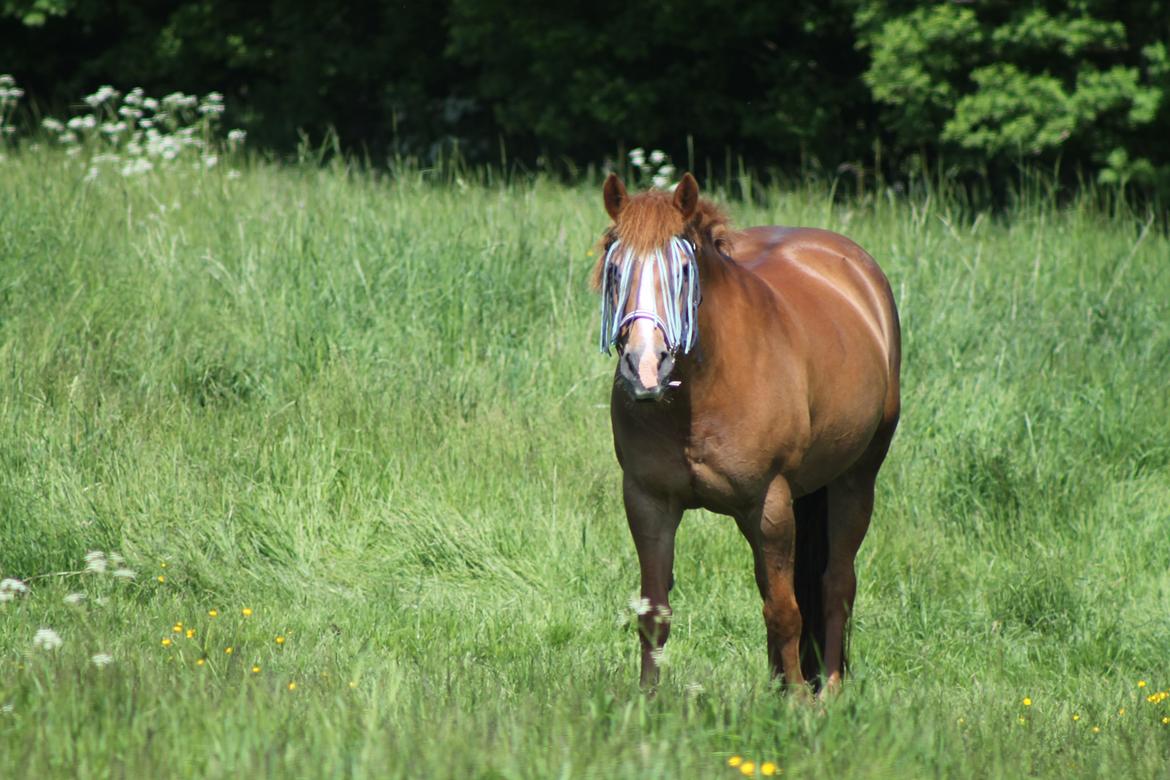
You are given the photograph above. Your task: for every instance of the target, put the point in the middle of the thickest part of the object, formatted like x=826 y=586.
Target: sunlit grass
x=349 y=433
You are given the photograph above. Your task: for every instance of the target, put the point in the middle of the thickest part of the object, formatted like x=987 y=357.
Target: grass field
x=370 y=412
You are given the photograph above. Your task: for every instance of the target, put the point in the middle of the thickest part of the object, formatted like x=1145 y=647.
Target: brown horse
x=757 y=377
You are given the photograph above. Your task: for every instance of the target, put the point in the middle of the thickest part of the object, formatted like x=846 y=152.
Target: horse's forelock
x=649 y=220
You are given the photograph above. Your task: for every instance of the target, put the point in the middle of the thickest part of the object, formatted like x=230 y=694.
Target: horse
x=757 y=377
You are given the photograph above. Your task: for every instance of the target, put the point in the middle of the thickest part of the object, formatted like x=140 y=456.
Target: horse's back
x=823 y=272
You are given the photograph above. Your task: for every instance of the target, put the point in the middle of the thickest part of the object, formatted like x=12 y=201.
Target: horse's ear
x=615 y=195
x=686 y=196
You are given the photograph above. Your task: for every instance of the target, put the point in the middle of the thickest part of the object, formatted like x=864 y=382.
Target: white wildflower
x=11 y=588
x=104 y=93
x=85 y=122
x=236 y=137
x=47 y=639
x=113 y=128
x=150 y=104
x=134 y=97
x=640 y=605
x=137 y=166
x=6 y=80
x=92 y=173
x=102 y=660
x=210 y=160
x=657 y=156
x=660 y=181
x=52 y=125
x=638 y=157
x=95 y=560
x=7 y=709
x=666 y=170
x=73 y=599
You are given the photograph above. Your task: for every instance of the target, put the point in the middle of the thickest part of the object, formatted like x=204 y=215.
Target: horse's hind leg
x=850 y=499
x=653 y=523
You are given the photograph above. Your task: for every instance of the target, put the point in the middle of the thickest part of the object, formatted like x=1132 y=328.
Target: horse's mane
x=649 y=220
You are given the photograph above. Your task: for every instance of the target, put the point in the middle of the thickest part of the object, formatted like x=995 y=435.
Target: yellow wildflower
x=1141 y=683
x=353 y=683
x=177 y=628
x=228 y=650
x=280 y=640
x=1023 y=720
x=767 y=769
x=190 y=633
x=1076 y=717
x=213 y=613
x=163 y=565
x=246 y=612
x=200 y=662
x=747 y=768
x=255 y=669
x=735 y=761
x=1121 y=711
x=161 y=578
x=1027 y=701
x=292 y=686
x=166 y=642
x=1166 y=721
x=1096 y=729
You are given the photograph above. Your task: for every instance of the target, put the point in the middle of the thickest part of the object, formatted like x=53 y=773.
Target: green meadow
x=350 y=434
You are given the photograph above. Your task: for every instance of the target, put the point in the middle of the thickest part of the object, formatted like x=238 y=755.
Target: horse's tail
x=812 y=556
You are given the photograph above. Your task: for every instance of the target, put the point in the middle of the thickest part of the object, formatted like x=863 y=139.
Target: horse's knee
x=782 y=617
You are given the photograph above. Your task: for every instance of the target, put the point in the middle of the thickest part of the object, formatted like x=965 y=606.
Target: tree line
x=887 y=86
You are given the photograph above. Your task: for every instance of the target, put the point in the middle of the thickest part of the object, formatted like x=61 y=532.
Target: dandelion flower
x=280 y=640
x=1027 y=702
x=190 y=633
x=162 y=564
x=292 y=686
x=1096 y=729
x=246 y=612
x=1141 y=683
x=228 y=650
x=767 y=769
x=1121 y=711
x=47 y=639
x=212 y=613
x=200 y=662
x=166 y=642
x=735 y=761
x=747 y=768
x=1165 y=721
x=256 y=669
x=102 y=660
x=177 y=628
x=1076 y=717
x=161 y=578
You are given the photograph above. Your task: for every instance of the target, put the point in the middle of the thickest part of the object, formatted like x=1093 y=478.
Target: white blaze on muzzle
x=678 y=301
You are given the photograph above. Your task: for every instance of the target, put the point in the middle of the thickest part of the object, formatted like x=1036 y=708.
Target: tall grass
x=370 y=410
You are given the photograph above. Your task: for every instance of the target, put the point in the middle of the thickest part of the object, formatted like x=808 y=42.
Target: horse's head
x=649 y=283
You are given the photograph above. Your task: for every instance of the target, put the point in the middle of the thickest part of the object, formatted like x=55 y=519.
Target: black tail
x=812 y=556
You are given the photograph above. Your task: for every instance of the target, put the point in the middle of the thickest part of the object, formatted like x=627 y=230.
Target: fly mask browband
x=679 y=287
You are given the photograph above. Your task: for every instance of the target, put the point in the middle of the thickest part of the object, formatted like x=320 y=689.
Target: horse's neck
x=722 y=342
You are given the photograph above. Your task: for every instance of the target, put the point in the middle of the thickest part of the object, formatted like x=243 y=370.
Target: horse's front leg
x=775 y=568
x=653 y=522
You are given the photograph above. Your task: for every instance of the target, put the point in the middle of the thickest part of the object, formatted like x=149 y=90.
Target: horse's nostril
x=662 y=356
x=630 y=362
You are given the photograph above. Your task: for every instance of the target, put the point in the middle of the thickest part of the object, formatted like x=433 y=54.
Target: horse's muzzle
x=645 y=375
